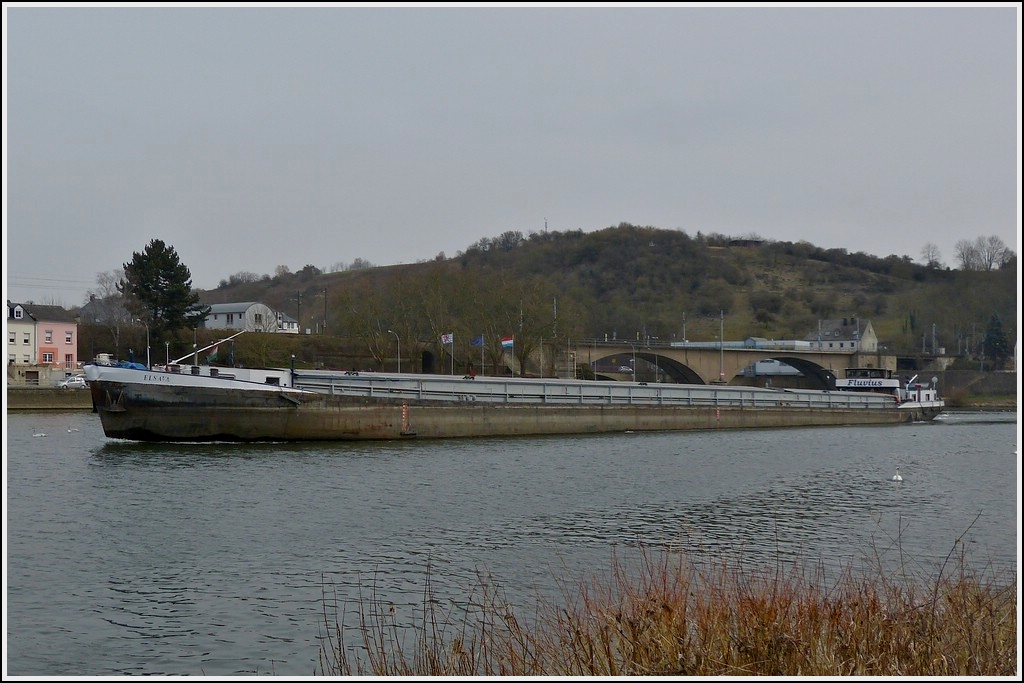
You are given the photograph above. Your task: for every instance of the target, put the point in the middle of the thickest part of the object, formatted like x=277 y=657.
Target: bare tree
x=991 y=252
x=984 y=253
x=106 y=284
x=107 y=305
x=967 y=254
x=931 y=256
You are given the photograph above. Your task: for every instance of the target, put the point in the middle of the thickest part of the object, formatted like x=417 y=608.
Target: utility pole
x=721 y=346
x=325 y=310
x=298 y=310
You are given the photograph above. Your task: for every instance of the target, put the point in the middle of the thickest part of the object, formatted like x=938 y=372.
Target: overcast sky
x=250 y=138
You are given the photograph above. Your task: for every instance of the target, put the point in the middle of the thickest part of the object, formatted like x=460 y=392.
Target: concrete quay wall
x=48 y=398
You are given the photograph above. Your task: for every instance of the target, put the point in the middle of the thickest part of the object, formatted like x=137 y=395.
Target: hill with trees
x=621 y=283
x=633 y=282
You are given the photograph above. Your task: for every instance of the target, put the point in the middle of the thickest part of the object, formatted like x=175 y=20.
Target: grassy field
x=666 y=617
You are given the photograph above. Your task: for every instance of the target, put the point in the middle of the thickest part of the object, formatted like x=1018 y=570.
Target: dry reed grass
x=661 y=615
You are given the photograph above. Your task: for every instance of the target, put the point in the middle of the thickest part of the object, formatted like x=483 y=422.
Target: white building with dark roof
x=844 y=334
x=287 y=324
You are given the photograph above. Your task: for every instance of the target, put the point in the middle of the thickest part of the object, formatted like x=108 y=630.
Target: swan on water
x=35 y=433
x=897 y=477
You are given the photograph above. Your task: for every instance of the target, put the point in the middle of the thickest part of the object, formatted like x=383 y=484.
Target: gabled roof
x=107 y=309
x=43 y=313
x=839 y=329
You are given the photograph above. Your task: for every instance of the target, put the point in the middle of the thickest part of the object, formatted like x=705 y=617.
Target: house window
x=12 y=338
x=25 y=359
x=258 y=319
x=49 y=336
x=18 y=314
x=25 y=339
x=11 y=359
x=231 y=318
x=48 y=358
x=67 y=337
x=69 y=361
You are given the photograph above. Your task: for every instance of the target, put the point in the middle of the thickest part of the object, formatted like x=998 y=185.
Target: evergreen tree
x=995 y=345
x=159 y=288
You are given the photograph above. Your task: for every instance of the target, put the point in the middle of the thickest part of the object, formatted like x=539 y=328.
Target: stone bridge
x=708 y=363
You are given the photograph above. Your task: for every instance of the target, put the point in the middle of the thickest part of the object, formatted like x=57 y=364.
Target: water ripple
x=221 y=559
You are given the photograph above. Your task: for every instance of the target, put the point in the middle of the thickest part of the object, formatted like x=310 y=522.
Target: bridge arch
x=679 y=372
x=821 y=378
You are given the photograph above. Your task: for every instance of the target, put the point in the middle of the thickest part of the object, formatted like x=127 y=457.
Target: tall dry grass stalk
x=662 y=615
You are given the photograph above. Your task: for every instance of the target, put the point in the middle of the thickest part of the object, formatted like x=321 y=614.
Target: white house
x=21 y=336
x=250 y=316
x=844 y=334
x=287 y=324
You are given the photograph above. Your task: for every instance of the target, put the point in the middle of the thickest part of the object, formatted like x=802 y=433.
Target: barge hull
x=269 y=417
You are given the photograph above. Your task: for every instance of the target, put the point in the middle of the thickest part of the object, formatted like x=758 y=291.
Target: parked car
x=74 y=382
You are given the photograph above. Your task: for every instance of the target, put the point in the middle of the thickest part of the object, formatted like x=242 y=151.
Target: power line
x=40 y=281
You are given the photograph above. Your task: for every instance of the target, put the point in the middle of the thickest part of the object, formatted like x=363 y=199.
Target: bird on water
x=897 y=477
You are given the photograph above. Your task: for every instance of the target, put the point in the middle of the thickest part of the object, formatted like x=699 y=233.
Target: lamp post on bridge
x=399 y=350
x=721 y=346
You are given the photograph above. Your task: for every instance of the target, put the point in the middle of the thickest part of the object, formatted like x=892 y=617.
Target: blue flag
x=479 y=341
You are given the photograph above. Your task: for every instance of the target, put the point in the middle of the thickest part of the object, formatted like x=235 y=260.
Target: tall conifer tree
x=160 y=288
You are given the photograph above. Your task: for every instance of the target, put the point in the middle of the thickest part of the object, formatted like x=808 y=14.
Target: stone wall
x=974 y=383
x=47 y=398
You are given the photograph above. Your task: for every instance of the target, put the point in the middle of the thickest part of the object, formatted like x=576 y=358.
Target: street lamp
x=399 y=350
x=721 y=346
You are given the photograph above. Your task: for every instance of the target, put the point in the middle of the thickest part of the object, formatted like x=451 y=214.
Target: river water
x=126 y=558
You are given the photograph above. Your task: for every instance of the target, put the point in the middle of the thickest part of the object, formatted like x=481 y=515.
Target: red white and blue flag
x=507 y=342
x=448 y=338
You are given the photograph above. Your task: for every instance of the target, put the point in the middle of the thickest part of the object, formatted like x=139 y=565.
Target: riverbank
x=999 y=404
x=675 y=615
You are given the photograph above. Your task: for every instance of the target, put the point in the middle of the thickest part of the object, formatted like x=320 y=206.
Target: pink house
x=42 y=335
